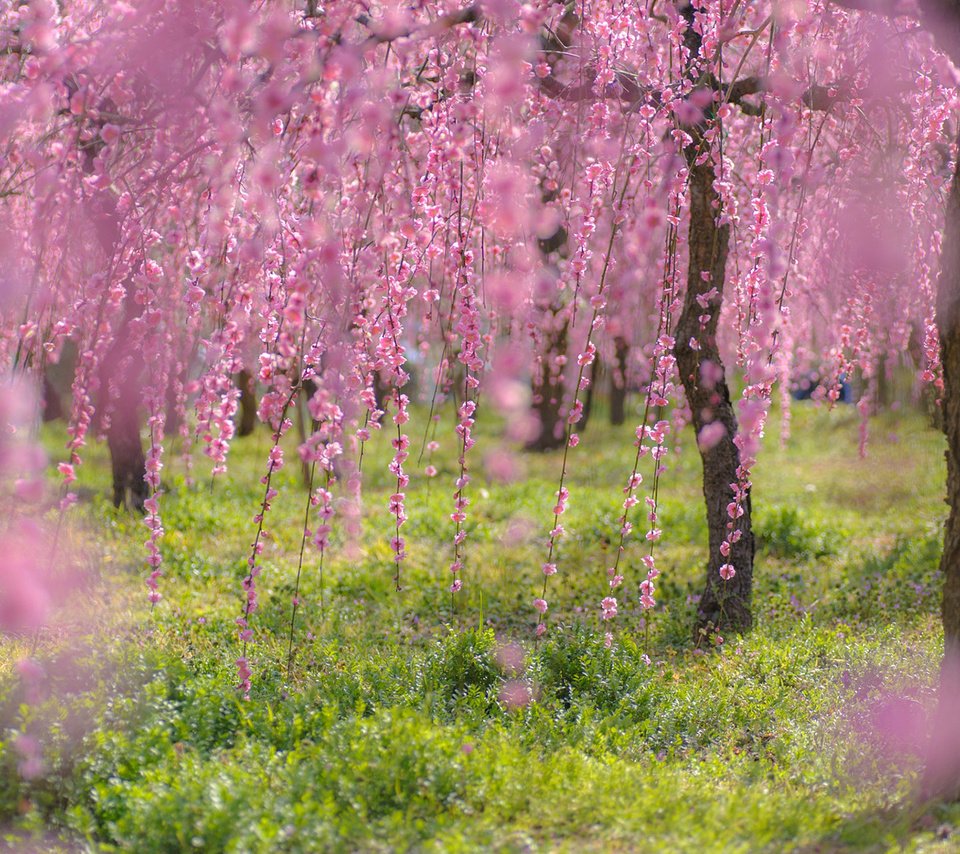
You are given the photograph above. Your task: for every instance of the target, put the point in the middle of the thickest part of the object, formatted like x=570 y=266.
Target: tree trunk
x=120 y=400
x=724 y=604
x=51 y=405
x=119 y=407
x=596 y=371
x=120 y=403
x=928 y=394
x=126 y=451
x=381 y=390
x=886 y=392
x=120 y=378
x=548 y=394
x=943 y=769
x=618 y=382
x=119 y=371
x=248 y=404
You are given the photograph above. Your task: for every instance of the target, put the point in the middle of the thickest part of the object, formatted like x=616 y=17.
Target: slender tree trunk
x=119 y=372
x=172 y=423
x=618 y=382
x=885 y=383
x=548 y=394
x=248 y=404
x=118 y=407
x=943 y=770
x=596 y=371
x=724 y=604
x=381 y=390
x=548 y=388
x=120 y=378
x=302 y=400
x=123 y=438
x=52 y=405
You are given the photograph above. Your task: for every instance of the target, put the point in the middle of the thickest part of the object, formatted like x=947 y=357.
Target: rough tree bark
x=943 y=769
x=723 y=604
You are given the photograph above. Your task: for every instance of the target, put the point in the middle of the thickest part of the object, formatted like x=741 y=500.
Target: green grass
x=393 y=731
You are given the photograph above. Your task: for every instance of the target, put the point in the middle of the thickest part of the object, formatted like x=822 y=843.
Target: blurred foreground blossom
x=515 y=694
x=25 y=585
x=35 y=579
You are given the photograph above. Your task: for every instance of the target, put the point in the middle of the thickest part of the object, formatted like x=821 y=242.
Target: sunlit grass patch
x=414 y=721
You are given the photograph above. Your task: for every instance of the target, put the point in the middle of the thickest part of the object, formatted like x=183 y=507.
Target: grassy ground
x=399 y=726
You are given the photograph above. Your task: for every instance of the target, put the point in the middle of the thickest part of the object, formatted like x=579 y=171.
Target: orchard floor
x=403 y=723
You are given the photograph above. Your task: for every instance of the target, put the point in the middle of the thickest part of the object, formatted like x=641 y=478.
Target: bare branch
x=744 y=86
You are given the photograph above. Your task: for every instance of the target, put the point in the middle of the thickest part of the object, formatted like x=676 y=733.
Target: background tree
x=358 y=196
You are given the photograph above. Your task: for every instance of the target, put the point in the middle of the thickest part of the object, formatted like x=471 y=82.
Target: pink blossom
x=515 y=694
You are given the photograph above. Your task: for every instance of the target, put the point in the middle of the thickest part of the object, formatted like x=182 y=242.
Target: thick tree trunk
x=943 y=771
x=724 y=604
x=248 y=404
x=548 y=394
x=618 y=382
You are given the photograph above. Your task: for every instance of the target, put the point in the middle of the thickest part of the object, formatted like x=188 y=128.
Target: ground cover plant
x=321 y=305
x=396 y=729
